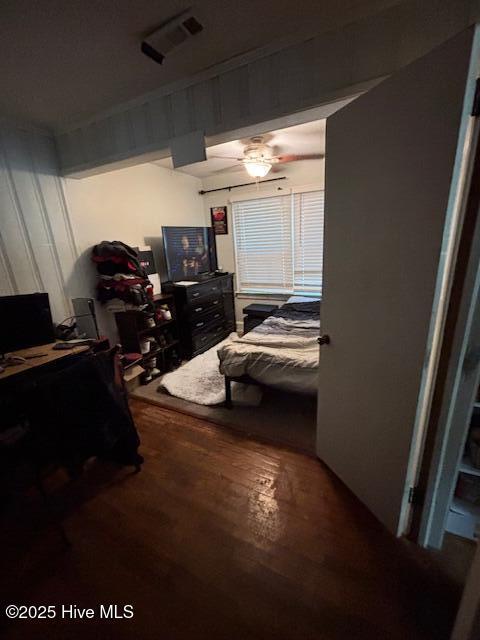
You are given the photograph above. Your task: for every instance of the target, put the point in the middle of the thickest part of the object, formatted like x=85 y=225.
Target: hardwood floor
x=217 y=537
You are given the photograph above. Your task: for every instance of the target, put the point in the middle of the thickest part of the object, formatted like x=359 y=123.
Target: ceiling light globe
x=257 y=169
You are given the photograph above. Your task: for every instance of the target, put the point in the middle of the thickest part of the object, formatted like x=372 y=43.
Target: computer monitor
x=25 y=321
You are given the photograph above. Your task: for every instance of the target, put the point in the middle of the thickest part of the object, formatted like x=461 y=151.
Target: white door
x=393 y=163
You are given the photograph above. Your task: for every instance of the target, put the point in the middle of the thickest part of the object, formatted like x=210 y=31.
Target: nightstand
x=255 y=314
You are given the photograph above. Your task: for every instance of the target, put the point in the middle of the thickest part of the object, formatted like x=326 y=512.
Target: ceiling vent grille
x=171 y=36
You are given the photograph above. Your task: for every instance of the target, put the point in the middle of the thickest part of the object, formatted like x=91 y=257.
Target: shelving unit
x=464 y=515
x=133 y=331
x=467 y=467
x=464 y=519
x=159 y=325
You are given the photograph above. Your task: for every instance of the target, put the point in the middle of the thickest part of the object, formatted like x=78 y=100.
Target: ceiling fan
x=259 y=158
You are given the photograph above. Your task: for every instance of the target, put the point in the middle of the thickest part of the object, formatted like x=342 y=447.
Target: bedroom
x=255 y=210
x=228 y=511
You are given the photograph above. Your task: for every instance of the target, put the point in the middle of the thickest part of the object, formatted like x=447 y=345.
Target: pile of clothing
x=123 y=282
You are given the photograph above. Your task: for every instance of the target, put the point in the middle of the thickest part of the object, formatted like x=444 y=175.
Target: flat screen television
x=190 y=252
x=25 y=321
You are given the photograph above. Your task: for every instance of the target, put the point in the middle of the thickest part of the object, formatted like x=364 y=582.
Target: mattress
x=282 y=352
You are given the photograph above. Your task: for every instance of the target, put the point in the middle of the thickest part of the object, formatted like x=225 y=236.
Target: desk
x=41 y=360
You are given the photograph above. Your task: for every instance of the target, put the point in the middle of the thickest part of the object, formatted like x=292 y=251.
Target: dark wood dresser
x=205 y=313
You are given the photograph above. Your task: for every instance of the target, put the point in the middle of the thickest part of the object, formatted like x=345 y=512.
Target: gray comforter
x=283 y=351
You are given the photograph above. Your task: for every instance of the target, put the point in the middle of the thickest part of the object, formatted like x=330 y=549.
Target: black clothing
x=78 y=412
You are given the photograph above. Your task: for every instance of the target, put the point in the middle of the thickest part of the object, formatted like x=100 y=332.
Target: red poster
x=219 y=220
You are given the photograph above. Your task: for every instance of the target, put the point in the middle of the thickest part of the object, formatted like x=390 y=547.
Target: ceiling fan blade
x=293 y=157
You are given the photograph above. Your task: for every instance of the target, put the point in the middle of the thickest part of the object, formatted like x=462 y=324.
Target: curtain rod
x=236 y=186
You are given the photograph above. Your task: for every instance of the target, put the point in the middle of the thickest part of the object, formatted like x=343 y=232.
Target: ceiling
x=63 y=61
x=300 y=139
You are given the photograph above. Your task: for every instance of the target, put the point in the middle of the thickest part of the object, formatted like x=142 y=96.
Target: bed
x=282 y=352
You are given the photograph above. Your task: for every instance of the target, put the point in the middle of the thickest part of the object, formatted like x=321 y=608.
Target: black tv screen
x=189 y=252
x=25 y=321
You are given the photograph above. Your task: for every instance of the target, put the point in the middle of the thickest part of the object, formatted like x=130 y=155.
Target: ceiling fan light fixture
x=257 y=168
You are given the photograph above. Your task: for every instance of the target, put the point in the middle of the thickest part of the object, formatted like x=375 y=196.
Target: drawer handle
x=195 y=295
x=217 y=315
x=215 y=302
x=199 y=324
x=219 y=329
x=198 y=309
x=214 y=288
x=203 y=338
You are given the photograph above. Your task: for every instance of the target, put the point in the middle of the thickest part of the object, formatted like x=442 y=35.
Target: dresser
x=205 y=313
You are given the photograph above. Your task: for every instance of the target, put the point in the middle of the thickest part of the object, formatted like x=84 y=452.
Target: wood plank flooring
x=218 y=537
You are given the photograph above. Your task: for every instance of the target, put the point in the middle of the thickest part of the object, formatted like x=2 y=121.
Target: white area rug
x=200 y=381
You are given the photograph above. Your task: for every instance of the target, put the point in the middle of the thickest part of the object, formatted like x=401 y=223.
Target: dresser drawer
x=206 y=324
x=203 y=290
x=203 y=341
x=202 y=307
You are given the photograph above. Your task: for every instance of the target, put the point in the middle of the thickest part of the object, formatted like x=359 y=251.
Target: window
x=279 y=243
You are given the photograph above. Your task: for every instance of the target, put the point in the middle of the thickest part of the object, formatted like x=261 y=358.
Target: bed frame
x=246 y=379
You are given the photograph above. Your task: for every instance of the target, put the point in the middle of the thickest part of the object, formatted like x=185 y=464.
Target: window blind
x=279 y=243
x=263 y=238
x=308 y=211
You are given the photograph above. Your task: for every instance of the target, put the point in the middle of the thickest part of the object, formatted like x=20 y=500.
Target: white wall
x=48 y=225
x=298 y=174
x=37 y=247
x=130 y=205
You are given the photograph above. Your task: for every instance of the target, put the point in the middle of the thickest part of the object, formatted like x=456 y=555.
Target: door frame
x=454 y=220
x=456 y=397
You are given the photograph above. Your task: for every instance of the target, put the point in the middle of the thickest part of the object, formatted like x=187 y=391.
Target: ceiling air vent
x=170 y=36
